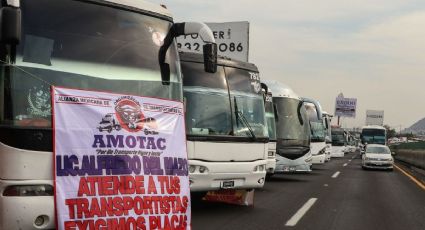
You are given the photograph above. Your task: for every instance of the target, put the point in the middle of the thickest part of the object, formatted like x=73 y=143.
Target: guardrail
x=412 y=157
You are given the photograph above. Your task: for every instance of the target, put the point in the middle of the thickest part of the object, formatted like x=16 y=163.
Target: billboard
x=120 y=161
x=345 y=107
x=232 y=40
x=375 y=117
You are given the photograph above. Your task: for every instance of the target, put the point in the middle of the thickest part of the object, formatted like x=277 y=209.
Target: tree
x=390 y=132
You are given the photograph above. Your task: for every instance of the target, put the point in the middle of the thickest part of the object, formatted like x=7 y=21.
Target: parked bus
x=120 y=46
x=227 y=137
x=327 y=120
x=318 y=131
x=339 y=142
x=271 y=127
x=292 y=130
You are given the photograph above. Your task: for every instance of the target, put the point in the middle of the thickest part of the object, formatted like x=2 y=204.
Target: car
x=377 y=156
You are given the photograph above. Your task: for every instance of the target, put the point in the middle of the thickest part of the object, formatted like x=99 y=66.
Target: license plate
x=228 y=184
x=289 y=169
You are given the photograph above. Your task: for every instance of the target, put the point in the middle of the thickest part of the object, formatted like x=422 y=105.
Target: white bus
x=339 y=142
x=119 y=46
x=271 y=126
x=292 y=130
x=318 y=131
x=373 y=134
x=227 y=137
x=327 y=119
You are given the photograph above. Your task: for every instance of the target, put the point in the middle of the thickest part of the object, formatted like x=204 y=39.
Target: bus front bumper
x=319 y=159
x=271 y=165
x=208 y=176
x=18 y=211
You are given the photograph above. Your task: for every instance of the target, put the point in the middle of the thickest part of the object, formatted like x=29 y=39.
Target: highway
x=336 y=195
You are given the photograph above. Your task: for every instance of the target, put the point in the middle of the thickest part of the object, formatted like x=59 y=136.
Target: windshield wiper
x=240 y=116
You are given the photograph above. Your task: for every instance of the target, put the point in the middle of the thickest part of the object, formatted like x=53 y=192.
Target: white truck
x=292 y=130
x=227 y=138
x=318 y=131
x=118 y=46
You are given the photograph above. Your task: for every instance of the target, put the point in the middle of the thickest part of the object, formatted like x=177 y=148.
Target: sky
x=372 y=50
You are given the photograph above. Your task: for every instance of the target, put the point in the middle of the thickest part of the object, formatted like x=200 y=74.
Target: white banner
x=375 y=117
x=345 y=107
x=232 y=40
x=120 y=162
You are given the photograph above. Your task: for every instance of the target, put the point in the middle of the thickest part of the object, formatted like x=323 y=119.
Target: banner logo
x=129 y=114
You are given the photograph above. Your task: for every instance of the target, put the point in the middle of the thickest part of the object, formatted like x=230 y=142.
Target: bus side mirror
x=210 y=57
x=165 y=73
x=10 y=25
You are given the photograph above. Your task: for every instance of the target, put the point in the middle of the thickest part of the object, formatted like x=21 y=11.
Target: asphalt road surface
x=336 y=195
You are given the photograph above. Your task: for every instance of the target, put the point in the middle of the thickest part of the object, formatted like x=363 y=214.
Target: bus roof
x=136 y=4
x=222 y=61
x=281 y=90
x=143 y=5
x=373 y=127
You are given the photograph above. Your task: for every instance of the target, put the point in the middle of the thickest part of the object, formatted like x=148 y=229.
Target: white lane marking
x=336 y=174
x=345 y=165
x=349 y=160
x=301 y=212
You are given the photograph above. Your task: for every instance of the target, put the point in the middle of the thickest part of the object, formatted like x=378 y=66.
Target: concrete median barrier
x=412 y=157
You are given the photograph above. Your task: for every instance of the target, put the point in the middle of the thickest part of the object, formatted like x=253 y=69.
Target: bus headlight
x=308 y=159
x=29 y=190
x=261 y=168
x=192 y=168
x=202 y=169
x=271 y=153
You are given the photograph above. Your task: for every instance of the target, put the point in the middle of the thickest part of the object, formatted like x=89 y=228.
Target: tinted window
x=248 y=102
x=207 y=101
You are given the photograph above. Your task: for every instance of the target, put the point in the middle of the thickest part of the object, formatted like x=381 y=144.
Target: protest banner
x=120 y=162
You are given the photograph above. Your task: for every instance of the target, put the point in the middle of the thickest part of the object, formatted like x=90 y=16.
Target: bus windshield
x=248 y=102
x=270 y=118
x=217 y=105
x=207 y=101
x=82 y=45
x=328 y=132
x=317 y=132
x=291 y=130
x=373 y=136
x=316 y=125
x=338 y=137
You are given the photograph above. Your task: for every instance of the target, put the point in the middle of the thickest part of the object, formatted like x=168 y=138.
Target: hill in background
x=417 y=128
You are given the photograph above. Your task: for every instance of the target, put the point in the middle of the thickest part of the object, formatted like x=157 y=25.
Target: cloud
x=372 y=50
